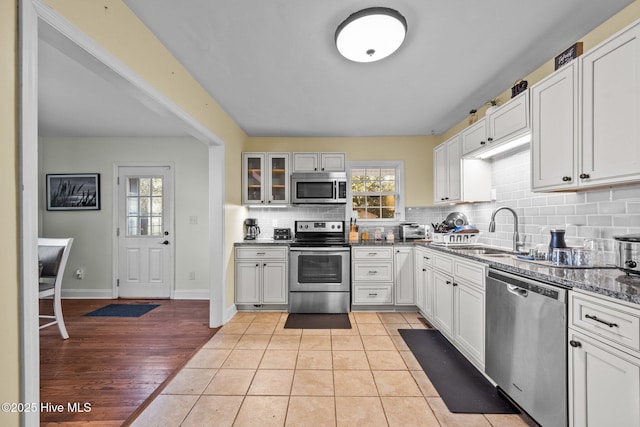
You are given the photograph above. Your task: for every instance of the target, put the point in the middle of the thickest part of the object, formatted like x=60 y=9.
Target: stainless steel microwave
x=319 y=188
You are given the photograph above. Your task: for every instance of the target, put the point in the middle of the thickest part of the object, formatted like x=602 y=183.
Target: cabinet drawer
x=373 y=272
x=443 y=262
x=253 y=252
x=617 y=323
x=471 y=272
x=372 y=253
x=381 y=294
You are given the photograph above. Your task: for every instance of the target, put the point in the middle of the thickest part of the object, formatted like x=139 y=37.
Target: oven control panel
x=319 y=226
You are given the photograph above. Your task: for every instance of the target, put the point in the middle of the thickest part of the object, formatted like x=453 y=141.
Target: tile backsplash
x=594 y=214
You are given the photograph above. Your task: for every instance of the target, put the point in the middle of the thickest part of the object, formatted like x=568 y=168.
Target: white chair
x=52 y=256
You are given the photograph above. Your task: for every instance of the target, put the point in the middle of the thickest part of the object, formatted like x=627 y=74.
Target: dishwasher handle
x=518 y=291
x=528 y=285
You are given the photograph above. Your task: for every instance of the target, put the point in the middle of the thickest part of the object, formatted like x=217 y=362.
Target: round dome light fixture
x=371 y=34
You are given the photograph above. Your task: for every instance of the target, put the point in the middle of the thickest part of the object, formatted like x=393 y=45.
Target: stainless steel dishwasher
x=526 y=344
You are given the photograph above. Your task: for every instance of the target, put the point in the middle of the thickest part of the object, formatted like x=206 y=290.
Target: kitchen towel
x=462 y=387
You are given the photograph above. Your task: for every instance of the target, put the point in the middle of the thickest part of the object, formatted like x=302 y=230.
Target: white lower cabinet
x=424 y=281
x=404 y=276
x=604 y=362
x=459 y=304
x=443 y=302
x=372 y=275
x=261 y=275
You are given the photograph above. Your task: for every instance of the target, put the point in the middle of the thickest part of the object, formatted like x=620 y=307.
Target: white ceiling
x=273 y=66
x=76 y=102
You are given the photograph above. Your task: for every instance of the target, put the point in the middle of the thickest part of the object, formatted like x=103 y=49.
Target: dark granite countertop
x=608 y=281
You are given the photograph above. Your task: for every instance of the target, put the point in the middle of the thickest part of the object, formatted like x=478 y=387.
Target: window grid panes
x=144 y=206
x=374 y=192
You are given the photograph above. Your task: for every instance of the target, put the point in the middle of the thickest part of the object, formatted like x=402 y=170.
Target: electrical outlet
x=79 y=274
x=192 y=275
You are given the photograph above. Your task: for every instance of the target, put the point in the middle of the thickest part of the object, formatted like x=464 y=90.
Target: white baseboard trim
x=191 y=294
x=230 y=312
x=87 y=294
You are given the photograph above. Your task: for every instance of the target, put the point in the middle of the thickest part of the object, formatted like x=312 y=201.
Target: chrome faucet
x=517 y=244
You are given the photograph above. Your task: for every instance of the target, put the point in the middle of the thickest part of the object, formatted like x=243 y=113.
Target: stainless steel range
x=319 y=268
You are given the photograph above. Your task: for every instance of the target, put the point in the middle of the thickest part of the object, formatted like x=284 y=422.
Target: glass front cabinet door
x=265 y=178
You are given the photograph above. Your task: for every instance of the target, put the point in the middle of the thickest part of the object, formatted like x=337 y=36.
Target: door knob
x=166 y=233
x=575 y=344
x=166 y=242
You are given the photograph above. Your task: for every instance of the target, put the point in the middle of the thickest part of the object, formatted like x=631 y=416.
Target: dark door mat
x=317 y=321
x=462 y=387
x=123 y=310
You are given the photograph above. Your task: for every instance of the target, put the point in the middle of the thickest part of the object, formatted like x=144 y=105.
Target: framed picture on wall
x=73 y=192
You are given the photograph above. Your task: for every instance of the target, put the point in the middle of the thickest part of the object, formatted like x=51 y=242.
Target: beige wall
x=620 y=20
x=93 y=230
x=113 y=26
x=416 y=151
x=9 y=283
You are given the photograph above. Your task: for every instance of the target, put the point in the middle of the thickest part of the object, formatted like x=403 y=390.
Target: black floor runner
x=462 y=387
x=317 y=321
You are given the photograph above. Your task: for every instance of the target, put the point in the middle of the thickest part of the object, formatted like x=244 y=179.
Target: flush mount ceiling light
x=371 y=34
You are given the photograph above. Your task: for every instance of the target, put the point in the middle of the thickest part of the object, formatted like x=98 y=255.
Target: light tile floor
x=254 y=372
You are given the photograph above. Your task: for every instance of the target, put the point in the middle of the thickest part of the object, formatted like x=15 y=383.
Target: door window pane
x=144 y=206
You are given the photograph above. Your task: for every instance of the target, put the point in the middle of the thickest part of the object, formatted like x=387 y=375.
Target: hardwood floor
x=114 y=363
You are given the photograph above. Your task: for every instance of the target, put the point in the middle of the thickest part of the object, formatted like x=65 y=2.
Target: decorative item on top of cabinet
x=518 y=87
x=569 y=54
x=493 y=104
x=319 y=162
x=265 y=178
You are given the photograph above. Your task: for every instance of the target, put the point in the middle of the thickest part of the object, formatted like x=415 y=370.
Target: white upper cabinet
x=611 y=110
x=509 y=121
x=585 y=123
x=456 y=179
x=265 y=178
x=474 y=137
x=554 y=149
x=319 y=162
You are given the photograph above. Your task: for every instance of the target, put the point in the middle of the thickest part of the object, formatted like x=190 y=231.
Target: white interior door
x=145 y=231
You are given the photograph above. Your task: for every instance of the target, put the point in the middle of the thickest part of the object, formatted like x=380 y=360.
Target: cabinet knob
x=575 y=344
x=482 y=142
x=455 y=284
x=584 y=176
x=566 y=178
x=264 y=265
x=489 y=139
x=631 y=263
x=448 y=282
x=424 y=269
x=257 y=265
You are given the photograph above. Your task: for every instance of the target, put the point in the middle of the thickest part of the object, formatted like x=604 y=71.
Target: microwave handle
x=335 y=189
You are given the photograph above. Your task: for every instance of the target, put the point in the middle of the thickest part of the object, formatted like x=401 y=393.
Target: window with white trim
x=376 y=189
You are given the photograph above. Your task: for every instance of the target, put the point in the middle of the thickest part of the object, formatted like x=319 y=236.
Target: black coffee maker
x=251 y=229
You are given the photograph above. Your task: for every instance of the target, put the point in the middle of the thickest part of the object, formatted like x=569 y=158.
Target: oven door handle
x=320 y=249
